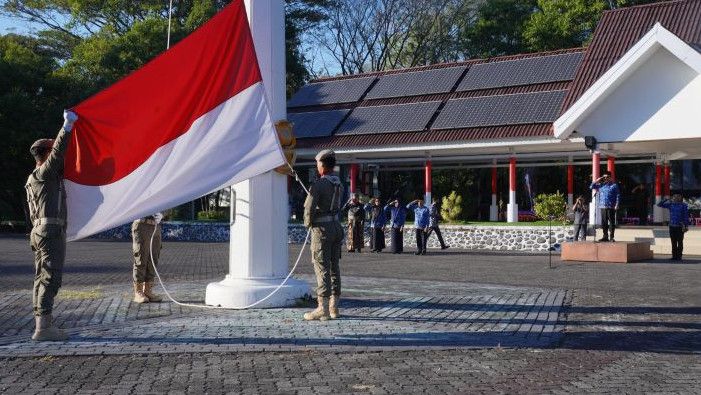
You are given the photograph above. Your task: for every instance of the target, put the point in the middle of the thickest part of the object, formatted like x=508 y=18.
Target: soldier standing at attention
x=397 y=214
x=321 y=210
x=141 y=231
x=421 y=219
x=378 y=220
x=46 y=196
x=356 y=223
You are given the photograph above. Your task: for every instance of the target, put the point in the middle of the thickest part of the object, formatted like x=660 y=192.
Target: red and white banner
x=191 y=121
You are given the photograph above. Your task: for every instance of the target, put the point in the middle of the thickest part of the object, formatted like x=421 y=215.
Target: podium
x=606 y=252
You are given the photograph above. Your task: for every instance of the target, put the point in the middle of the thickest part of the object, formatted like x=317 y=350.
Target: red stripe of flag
x=122 y=126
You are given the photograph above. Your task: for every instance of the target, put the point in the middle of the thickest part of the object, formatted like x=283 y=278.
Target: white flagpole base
x=243 y=292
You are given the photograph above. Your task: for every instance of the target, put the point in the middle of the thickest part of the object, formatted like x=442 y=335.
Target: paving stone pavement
x=449 y=322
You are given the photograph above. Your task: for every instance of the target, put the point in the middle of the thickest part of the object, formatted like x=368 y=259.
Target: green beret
x=327 y=153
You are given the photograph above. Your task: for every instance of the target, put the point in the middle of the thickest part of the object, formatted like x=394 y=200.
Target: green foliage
x=498 y=28
x=562 y=23
x=551 y=205
x=213 y=215
x=451 y=207
x=460 y=181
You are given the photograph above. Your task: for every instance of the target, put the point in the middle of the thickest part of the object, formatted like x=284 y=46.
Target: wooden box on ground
x=618 y=252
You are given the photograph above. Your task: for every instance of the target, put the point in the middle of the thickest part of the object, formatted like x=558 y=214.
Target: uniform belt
x=325 y=218
x=146 y=221
x=49 y=221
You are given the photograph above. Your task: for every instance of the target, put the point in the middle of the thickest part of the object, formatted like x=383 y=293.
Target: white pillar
x=658 y=212
x=594 y=215
x=493 y=208
x=512 y=207
x=258 y=255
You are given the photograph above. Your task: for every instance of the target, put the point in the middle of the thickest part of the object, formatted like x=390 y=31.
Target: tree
x=451 y=207
x=31 y=102
x=375 y=35
x=498 y=29
x=562 y=23
x=550 y=206
x=300 y=16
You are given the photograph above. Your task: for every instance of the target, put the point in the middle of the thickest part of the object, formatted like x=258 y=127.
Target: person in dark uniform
x=321 y=209
x=378 y=220
x=356 y=223
x=580 y=211
x=433 y=224
x=46 y=197
x=397 y=214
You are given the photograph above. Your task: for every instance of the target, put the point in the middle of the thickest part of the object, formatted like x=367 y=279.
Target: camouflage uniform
x=46 y=196
x=141 y=231
x=321 y=215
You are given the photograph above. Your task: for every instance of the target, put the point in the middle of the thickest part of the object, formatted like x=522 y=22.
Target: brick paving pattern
x=448 y=322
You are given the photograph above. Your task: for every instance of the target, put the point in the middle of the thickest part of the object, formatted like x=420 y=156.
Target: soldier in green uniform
x=141 y=232
x=46 y=197
x=321 y=215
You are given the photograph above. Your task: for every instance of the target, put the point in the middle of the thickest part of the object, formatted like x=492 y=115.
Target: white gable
x=647 y=95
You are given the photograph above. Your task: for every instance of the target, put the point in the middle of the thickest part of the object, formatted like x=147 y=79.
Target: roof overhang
x=631 y=107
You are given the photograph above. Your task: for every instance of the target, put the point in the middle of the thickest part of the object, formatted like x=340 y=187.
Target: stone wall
x=499 y=238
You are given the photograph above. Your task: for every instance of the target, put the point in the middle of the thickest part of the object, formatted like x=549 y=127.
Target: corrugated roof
x=618 y=30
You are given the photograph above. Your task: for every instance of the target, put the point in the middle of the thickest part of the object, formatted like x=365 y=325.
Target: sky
x=13 y=25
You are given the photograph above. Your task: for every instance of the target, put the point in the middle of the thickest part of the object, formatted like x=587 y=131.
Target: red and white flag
x=191 y=121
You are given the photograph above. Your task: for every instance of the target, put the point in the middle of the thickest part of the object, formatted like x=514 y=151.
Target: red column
x=494 y=180
x=570 y=179
x=596 y=165
x=353 y=177
x=428 y=181
x=658 y=180
x=611 y=167
x=667 y=180
x=512 y=175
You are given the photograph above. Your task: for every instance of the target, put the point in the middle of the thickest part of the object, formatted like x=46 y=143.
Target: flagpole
x=258 y=250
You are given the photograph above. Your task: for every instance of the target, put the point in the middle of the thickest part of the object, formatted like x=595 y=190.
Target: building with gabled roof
x=630 y=94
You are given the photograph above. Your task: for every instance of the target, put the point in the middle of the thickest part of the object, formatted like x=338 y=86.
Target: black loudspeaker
x=590 y=142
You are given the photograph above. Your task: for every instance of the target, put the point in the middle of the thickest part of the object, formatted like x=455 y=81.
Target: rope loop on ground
x=202 y=306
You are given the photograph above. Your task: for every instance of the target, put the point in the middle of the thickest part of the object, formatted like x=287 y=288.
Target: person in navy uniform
x=397 y=214
x=378 y=221
x=678 y=223
x=421 y=219
x=609 y=198
x=433 y=224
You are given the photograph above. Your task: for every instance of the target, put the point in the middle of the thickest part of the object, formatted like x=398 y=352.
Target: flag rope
x=282 y=284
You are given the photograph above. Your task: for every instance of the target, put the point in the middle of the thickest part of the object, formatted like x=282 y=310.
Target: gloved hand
x=158 y=217
x=69 y=117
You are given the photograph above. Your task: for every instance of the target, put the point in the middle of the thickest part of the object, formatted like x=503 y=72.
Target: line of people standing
x=426 y=219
